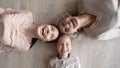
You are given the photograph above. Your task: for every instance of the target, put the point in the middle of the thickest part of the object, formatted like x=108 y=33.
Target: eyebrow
x=52 y=28
x=51 y=36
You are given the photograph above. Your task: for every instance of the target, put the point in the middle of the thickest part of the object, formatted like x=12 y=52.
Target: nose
x=64 y=45
x=67 y=25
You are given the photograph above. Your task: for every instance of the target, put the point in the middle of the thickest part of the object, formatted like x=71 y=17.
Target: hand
x=2 y=11
x=11 y=11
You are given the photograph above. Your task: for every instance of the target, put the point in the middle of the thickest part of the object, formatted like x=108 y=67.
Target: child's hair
x=62 y=36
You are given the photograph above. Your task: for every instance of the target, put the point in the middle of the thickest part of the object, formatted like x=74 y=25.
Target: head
x=47 y=32
x=64 y=45
x=69 y=25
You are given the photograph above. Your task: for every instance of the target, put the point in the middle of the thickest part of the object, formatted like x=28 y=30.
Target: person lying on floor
x=18 y=30
x=64 y=59
x=99 y=19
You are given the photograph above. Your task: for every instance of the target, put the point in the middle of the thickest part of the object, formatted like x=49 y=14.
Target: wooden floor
x=92 y=53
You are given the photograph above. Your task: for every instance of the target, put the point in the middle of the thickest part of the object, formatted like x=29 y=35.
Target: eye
x=63 y=24
x=67 y=44
x=52 y=29
x=67 y=30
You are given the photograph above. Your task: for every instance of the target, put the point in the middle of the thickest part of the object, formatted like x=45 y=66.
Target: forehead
x=66 y=19
x=46 y=25
x=64 y=39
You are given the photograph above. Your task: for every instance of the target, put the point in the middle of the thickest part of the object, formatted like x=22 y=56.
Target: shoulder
x=53 y=60
x=74 y=58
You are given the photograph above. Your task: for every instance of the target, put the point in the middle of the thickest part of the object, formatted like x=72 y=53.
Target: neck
x=64 y=56
x=86 y=20
x=33 y=31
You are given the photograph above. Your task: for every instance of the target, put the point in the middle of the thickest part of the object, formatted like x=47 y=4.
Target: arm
x=77 y=64
x=2 y=11
x=49 y=65
x=9 y=11
x=5 y=48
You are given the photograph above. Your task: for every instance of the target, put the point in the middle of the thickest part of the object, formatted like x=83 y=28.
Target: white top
x=107 y=12
x=71 y=62
x=13 y=31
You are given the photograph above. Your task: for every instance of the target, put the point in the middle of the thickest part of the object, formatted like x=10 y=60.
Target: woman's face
x=64 y=45
x=47 y=32
x=69 y=25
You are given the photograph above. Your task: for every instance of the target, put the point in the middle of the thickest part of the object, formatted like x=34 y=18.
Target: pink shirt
x=13 y=31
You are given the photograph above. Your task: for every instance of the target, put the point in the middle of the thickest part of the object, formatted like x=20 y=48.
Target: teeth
x=43 y=31
x=64 y=50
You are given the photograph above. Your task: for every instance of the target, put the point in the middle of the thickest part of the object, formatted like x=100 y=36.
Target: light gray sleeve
x=77 y=65
x=50 y=64
x=110 y=34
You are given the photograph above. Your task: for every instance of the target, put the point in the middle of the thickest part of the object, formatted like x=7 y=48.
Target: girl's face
x=64 y=45
x=69 y=25
x=47 y=32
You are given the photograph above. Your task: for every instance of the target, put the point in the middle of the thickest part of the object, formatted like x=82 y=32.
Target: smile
x=44 y=31
x=64 y=50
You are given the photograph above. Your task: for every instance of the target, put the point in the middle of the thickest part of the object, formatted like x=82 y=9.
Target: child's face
x=64 y=45
x=47 y=32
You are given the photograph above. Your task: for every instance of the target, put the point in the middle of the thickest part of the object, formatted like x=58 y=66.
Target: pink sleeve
x=2 y=11
x=9 y=11
x=6 y=48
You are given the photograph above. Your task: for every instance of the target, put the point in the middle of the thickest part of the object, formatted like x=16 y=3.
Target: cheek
x=68 y=47
x=59 y=49
x=55 y=35
x=48 y=38
x=61 y=27
x=73 y=30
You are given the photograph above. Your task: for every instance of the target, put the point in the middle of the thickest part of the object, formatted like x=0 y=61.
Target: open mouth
x=64 y=50
x=44 y=31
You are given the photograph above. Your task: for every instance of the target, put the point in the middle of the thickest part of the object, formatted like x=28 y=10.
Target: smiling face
x=69 y=25
x=64 y=45
x=47 y=32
